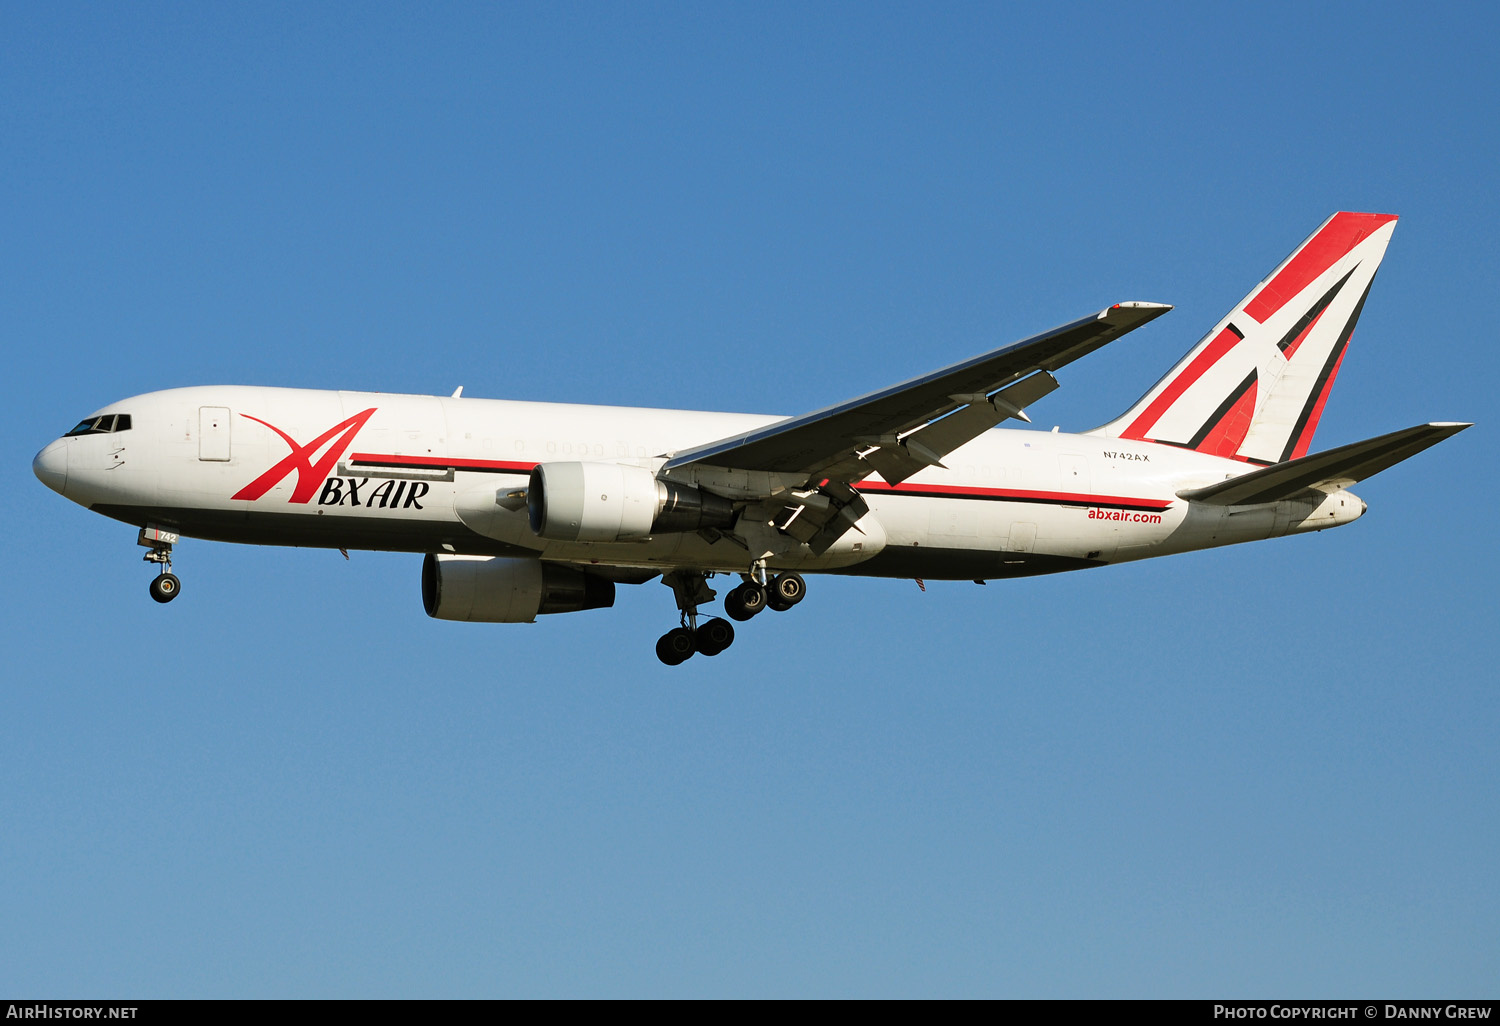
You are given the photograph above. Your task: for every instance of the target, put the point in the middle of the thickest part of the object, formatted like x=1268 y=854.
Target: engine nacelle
x=497 y=589
x=605 y=502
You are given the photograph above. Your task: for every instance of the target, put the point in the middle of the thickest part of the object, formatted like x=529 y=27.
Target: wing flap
x=1324 y=471
x=900 y=458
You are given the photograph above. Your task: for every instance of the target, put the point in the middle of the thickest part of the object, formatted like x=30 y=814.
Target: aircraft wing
x=1323 y=471
x=901 y=429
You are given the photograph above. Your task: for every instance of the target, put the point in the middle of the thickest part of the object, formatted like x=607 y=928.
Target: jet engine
x=605 y=502
x=497 y=589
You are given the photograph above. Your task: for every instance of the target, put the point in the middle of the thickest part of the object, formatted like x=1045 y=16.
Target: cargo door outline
x=213 y=434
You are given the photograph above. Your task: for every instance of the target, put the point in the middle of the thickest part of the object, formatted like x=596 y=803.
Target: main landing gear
x=165 y=586
x=713 y=636
x=780 y=593
x=708 y=638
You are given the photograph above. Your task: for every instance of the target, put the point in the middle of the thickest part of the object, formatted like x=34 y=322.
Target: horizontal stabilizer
x=1324 y=471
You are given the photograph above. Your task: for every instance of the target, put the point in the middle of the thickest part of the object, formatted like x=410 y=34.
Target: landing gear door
x=213 y=433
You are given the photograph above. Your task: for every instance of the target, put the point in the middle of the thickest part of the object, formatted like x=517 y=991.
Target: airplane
x=524 y=508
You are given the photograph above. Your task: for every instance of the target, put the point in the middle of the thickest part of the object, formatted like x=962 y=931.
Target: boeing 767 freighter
x=526 y=508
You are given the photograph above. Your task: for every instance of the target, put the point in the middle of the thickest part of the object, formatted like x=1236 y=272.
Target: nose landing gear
x=165 y=586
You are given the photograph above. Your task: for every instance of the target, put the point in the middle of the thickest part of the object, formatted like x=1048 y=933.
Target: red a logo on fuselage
x=309 y=474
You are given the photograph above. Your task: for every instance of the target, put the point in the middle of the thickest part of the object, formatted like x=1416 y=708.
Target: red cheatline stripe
x=1017 y=495
x=1341 y=234
x=1304 y=440
x=953 y=491
x=1225 y=341
x=439 y=462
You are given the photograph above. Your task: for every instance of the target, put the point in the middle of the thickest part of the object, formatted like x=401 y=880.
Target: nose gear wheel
x=165 y=587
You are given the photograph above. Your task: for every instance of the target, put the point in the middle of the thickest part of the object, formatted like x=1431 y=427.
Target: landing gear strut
x=709 y=638
x=165 y=586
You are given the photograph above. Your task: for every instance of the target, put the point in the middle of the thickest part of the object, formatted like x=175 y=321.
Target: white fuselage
x=430 y=474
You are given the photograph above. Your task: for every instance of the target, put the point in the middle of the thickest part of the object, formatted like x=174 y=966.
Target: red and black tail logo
x=309 y=474
x=1254 y=387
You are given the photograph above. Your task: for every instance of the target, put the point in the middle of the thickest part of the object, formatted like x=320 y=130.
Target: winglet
x=1137 y=305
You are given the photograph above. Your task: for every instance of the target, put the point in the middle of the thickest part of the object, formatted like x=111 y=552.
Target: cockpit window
x=107 y=424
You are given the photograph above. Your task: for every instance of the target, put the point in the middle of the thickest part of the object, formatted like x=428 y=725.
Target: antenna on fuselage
x=458 y=392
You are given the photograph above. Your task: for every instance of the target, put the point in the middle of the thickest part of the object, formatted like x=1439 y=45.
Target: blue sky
x=1262 y=771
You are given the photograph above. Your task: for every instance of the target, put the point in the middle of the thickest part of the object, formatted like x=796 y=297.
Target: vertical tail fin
x=1254 y=388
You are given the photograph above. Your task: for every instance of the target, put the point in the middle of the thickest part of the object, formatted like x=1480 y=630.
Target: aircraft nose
x=51 y=466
